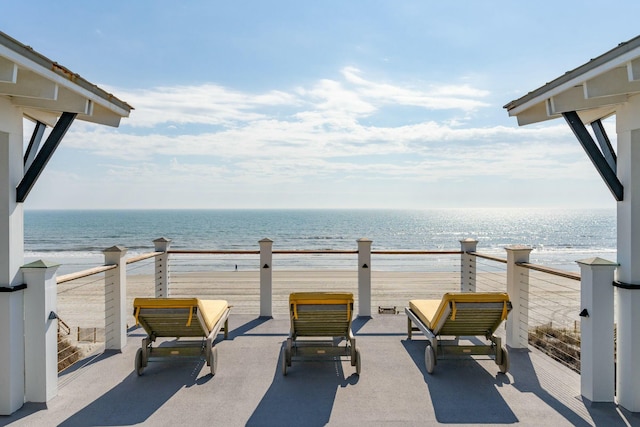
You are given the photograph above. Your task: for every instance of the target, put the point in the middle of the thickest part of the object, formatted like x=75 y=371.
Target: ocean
x=559 y=237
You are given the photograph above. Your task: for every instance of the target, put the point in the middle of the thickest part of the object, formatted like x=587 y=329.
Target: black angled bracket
x=44 y=155
x=605 y=144
x=34 y=144
x=596 y=156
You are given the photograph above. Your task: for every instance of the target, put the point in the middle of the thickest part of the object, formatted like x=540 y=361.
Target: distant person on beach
x=236 y=267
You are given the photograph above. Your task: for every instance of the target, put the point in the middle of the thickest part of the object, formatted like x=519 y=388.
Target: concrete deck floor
x=249 y=388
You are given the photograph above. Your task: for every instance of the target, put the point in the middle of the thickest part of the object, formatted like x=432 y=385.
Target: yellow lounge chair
x=317 y=315
x=460 y=314
x=179 y=318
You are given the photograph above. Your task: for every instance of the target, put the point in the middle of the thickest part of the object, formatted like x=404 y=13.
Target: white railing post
x=364 y=277
x=266 y=284
x=518 y=290
x=40 y=331
x=115 y=299
x=597 y=367
x=162 y=273
x=468 y=265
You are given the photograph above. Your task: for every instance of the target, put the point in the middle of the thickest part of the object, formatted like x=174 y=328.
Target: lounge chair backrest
x=320 y=313
x=320 y=298
x=158 y=303
x=470 y=313
x=169 y=317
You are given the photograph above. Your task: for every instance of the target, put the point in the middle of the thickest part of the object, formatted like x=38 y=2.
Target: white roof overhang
x=593 y=90
x=44 y=89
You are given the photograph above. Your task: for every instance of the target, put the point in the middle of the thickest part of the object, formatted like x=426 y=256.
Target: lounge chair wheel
x=429 y=358
x=213 y=360
x=285 y=360
x=139 y=365
x=358 y=363
x=504 y=366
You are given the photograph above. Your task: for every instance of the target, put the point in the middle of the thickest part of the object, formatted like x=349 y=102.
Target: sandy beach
x=81 y=301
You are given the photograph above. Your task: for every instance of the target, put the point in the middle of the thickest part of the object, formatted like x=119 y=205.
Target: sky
x=326 y=104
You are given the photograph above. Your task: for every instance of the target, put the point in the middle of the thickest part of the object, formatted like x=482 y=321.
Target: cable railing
x=81 y=330
x=431 y=274
x=549 y=306
x=491 y=273
x=551 y=299
x=554 y=322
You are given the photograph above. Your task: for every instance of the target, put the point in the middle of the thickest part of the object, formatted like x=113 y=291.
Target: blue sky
x=331 y=104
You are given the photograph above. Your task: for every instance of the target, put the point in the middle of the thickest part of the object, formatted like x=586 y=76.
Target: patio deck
x=249 y=388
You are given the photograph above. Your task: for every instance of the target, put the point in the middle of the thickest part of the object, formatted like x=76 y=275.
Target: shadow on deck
x=249 y=388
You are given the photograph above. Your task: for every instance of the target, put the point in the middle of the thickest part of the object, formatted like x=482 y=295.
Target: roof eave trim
x=616 y=57
x=27 y=57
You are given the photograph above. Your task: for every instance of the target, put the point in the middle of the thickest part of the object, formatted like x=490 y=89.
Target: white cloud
x=335 y=102
x=212 y=138
x=207 y=104
x=433 y=98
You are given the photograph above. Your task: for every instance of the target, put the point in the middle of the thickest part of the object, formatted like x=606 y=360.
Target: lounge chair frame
x=463 y=319
x=181 y=323
x=320 y=329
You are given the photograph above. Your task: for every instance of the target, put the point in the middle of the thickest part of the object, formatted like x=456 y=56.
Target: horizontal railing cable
x=81 y=285
x=492 y=276
x=553 y=306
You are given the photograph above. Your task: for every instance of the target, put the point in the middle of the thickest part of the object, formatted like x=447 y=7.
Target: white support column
x=628 y=348
x=468 y=265
x=266 y=284
x=627 y=294
x=518 y=290
x=40 y=331
x=163 y=276
x=597 y=378
x=364 y=277
x=115 y=299
x=11 y=259
x=11 y=349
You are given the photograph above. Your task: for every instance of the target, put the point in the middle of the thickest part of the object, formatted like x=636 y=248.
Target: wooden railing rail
x=210 y=252
x=305 y=252
x=85 y=273
x=142 y=257
x=530 y=266
x=439 y=252
x=548 y=270
x=489 y=257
